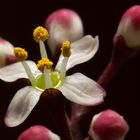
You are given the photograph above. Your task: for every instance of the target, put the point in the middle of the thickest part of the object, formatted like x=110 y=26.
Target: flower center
x=48 y=78
x=40 y=84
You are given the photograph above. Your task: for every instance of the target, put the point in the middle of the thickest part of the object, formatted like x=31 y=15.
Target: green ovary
x=40 y=81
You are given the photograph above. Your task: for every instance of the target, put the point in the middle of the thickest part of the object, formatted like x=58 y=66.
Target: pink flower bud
x=63 y=24
x=38 y=132
x=6 y=53
x=108 y=125
x=129 y=27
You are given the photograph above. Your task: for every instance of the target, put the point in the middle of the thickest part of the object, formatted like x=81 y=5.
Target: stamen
x=42 y=49
x=22 y=55
x=63 y=68
x=44 y=62
x=48 y=81
x=40 y=35
x=29 y=73
x=66 y=52
x=45 y=65
x=66 y=49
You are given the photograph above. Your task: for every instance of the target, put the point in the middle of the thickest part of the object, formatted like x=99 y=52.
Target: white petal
x=6 y=49
x=21 y=105
x=16 y=71
x=82 y=51
x=82 y=90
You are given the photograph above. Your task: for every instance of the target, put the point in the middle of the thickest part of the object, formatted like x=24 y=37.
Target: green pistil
x=40 y=81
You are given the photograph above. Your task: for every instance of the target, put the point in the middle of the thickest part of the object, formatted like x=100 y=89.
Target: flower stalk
x=120 y=54
x=54 y=100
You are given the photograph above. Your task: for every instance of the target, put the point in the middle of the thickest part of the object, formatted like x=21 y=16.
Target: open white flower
x=77 y=87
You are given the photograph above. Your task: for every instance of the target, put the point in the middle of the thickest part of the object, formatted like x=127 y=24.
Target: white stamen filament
x=63 y=68
x=42 y=49
x=48 y=81
x=29 y=73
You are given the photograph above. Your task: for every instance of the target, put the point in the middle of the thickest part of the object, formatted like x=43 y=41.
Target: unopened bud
x=63 y=24
x=129 y=28
x=38 y=132
x=108 y=125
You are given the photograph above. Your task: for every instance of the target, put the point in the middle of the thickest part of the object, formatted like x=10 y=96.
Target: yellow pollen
x=20 y=54
x=40 y=33
x=66 y=49
x=44 y=62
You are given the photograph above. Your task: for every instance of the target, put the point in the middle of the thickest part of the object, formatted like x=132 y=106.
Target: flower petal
x=82 y=51
x=21 y=105
x=6 y=49
x=82 y=90
x=16 y=71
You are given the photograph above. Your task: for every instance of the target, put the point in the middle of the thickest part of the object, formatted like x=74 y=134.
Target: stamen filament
x=48 y=81
x=66 y=52
x=29 y=73
x=42 y=49
x=63 y=68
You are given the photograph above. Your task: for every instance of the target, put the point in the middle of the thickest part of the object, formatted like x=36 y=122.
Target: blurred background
x=17 y=22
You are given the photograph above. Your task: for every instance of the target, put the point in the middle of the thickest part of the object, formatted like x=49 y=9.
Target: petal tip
x=8 y=122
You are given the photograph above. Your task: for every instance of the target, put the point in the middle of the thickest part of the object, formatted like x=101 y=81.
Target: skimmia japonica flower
x=77 y=87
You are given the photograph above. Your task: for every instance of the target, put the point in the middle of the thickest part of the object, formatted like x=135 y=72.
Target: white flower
x=77 y=87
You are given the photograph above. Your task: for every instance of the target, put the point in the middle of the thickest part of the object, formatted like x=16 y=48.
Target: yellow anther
x=20 y=54
x=40 y=33
x=66 y=49
x=44 y=62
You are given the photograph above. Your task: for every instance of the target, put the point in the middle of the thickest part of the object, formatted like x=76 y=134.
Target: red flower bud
x=63 y=24
x=38 y=132
x=129 y=27
x=108 y=125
